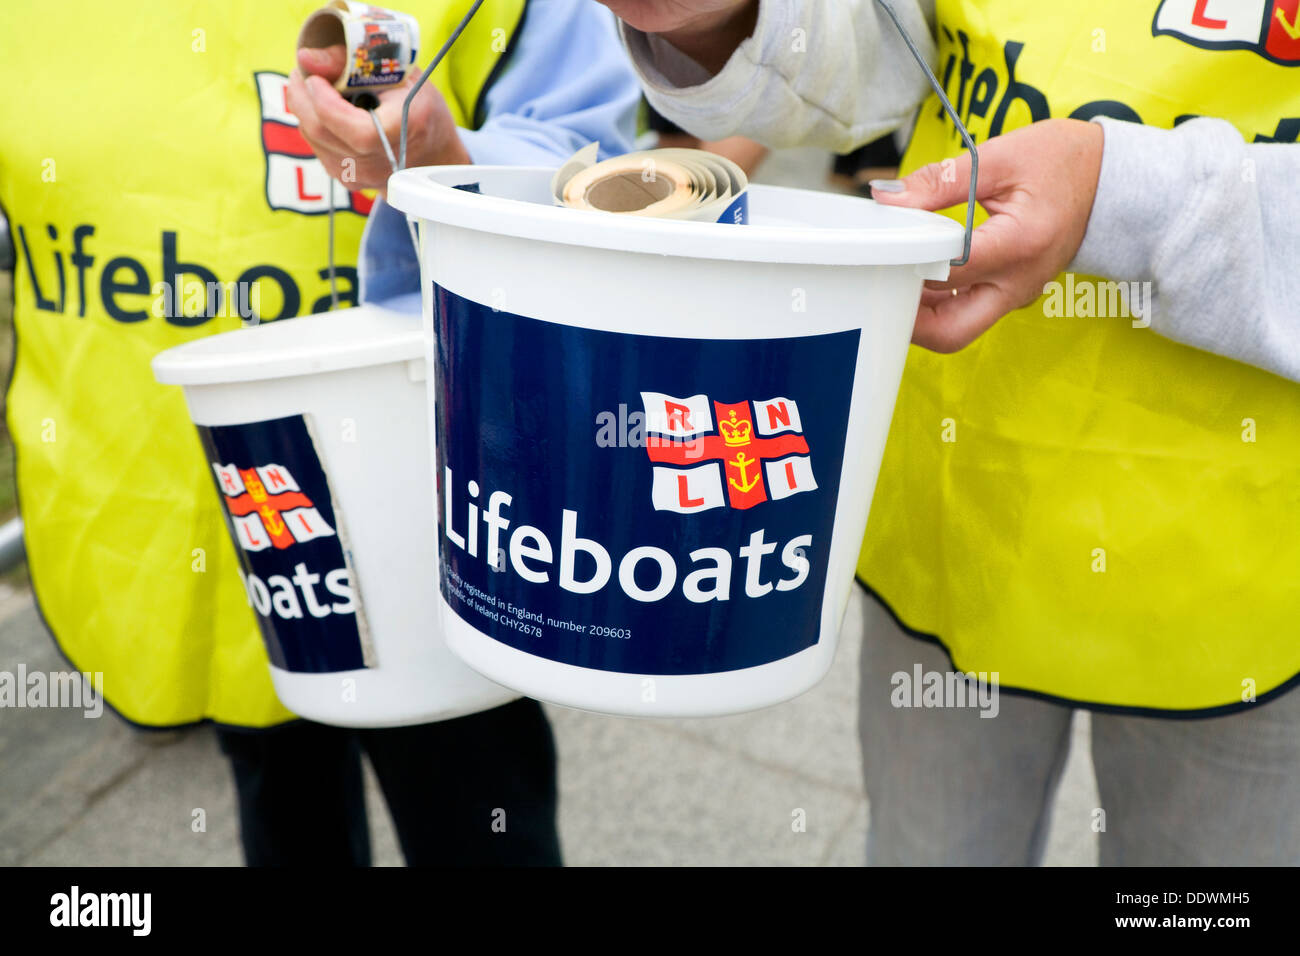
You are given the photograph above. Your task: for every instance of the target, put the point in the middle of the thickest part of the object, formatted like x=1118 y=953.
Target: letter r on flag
x=229 y=480
x=676 y=417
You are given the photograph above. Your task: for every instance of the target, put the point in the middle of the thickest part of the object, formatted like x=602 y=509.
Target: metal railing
x=12 y=550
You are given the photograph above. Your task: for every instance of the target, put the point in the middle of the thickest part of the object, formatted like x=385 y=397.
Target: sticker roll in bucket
x=669 y=183
x=657 y=441
x=314 y=430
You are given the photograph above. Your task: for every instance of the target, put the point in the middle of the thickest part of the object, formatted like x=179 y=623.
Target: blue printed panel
x=738 y=211
x=282 y=518
x=634 y=503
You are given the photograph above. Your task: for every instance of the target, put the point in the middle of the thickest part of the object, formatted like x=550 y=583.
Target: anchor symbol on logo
x=742 y=463
x=274 y=524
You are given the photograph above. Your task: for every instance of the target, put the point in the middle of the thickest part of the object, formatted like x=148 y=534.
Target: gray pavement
x=77 y=790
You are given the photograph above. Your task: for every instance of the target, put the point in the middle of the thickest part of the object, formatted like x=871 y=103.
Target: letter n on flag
x=276 y=478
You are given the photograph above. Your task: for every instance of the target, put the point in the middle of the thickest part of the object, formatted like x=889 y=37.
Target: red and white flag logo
x=295 y=178
x=713 y=454
x=1270 y=28
x=268 y=508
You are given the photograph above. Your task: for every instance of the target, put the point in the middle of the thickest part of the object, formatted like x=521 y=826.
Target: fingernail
x=887 y=185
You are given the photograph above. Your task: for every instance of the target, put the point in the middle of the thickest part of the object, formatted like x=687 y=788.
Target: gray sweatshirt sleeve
x=829 y=73
x=1214 y=225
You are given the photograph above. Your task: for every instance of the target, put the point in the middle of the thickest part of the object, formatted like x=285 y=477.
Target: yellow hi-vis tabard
x=153 y=140
x=1089 y=510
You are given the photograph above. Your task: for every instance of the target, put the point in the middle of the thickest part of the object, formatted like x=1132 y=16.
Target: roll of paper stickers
x=663 y=183
x=381 y=44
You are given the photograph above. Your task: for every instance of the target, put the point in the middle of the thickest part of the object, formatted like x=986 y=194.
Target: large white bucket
x=327 y=415
x=706 y=572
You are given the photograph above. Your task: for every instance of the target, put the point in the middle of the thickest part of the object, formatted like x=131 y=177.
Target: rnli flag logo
x=267 y=507
x=295 y=178
x=713 y=454
x=1270 y=28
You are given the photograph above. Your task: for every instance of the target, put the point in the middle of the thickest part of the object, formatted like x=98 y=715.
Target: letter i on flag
x=789 y=476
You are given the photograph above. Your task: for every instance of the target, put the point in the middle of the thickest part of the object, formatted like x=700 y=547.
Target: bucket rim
x=911 y=237
x=384 y=337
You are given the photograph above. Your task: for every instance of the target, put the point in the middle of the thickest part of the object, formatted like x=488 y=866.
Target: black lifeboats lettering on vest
x=109 y=288
x=966 y=72
x=122 y=277
x=959 y=69
x=347 y=296
x=41 y=302
x=172 y=271
x=1031 y=96
x=1288 y=131
x=288 y=288
x=1112 y=108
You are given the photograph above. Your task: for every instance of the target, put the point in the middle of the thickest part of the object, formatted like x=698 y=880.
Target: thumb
x=936 y=186
x=326 y=61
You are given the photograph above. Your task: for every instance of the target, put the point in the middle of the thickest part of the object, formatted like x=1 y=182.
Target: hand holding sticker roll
x=662 y=183
x=380 y=45
x=345 y=137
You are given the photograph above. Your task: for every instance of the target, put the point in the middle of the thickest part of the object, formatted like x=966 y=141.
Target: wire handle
x=961 y=128
x=433 y=65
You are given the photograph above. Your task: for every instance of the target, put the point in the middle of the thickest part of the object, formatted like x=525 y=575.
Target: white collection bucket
x=316 y=432
x=656 y=441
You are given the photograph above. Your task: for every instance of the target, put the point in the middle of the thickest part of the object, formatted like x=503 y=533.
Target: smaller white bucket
x=657 y=441
x=316 y=431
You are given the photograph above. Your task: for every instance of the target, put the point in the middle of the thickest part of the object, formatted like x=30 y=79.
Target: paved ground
x=93 y=791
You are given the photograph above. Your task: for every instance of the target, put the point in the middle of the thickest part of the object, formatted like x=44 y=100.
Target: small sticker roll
x=662 y=183
x=381 y=44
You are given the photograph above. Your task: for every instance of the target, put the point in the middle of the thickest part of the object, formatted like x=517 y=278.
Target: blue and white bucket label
x=288 y=533
x=738 y=211
x=636 y=503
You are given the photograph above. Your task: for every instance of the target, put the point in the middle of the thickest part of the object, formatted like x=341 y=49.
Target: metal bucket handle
x=961 y=128
x=433 y=65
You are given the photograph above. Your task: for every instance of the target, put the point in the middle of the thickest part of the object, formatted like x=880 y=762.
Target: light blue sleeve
x=567 y=83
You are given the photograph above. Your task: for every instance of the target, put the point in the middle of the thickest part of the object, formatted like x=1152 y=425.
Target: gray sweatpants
x=948 y=787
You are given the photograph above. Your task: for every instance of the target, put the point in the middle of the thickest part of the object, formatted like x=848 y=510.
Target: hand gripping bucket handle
x=400 y=164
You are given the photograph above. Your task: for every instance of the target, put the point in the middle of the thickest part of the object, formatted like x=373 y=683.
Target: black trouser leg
x=474 y=791
x=301 y=795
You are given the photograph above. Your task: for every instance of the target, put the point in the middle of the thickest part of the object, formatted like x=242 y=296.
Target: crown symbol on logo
x=734 y=432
